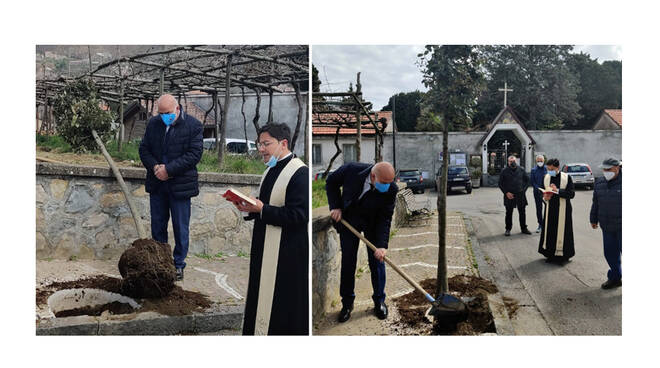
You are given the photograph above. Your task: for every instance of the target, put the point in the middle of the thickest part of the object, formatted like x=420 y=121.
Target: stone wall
x=81 y=212
x=421 y=149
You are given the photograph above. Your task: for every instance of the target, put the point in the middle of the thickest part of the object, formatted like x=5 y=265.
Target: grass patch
x=393 y=232
x=319 y=198
x=242 y=254
x=236 y=164
x=205 y=256
x=53 y=143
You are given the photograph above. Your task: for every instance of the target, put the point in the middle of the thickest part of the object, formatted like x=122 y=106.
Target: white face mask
x=539 y=164
x=608 y=175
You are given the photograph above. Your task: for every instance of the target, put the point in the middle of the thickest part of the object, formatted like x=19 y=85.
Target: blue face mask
x=272 y=161
x=168 y=119
x=382 y=187
x=552 y=173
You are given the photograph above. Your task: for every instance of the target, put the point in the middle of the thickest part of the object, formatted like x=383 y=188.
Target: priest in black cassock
x=278 y=289
x=556 y=242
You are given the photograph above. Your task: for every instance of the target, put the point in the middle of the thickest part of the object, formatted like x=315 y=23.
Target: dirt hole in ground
x=413 y=306
x=178 y=302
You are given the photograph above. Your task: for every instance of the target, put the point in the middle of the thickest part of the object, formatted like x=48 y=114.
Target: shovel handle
x=388 y=261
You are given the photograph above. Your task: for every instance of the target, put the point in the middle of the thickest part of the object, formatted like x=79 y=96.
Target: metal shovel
x=446 y=307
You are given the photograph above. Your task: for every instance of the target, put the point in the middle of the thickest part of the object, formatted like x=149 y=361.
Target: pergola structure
x=343 y=110
x=215 y=70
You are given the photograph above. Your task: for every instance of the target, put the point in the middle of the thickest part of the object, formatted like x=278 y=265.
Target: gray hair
x=541 y=156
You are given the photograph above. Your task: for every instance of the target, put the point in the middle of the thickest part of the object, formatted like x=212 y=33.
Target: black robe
x=290 y=309
x=551 y=218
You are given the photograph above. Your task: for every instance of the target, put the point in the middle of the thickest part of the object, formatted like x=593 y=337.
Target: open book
x=236 y=196
x=547 y=190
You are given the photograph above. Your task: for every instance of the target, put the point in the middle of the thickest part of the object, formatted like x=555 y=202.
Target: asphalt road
x=559 y=300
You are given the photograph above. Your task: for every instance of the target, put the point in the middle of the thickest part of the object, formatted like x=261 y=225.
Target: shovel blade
x=449 y=307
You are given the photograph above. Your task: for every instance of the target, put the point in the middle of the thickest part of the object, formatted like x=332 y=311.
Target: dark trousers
x=162 y=204
x=508 y=219
x=538 y=201
x=349 y=251
x=612 y=248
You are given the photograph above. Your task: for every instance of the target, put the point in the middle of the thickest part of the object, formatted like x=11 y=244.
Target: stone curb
x=503 y=325
x=46 y=168
x=147 y=323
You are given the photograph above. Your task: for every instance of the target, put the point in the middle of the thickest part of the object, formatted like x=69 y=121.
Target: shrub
x=77 y=110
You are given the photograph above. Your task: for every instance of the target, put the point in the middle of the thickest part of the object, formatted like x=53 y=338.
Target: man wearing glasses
x=278 y=289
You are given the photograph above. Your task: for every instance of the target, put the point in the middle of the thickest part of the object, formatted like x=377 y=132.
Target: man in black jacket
x=170 y=151
x=513 y=183
x=606 y=211
x=366 y=201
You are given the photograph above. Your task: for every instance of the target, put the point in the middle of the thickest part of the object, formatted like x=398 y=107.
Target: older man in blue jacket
x=170 y=151
x=536 y=180
x=366 y=201
x=606 y=211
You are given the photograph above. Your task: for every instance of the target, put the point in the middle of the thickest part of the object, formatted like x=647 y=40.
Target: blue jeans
x=162 y=204
x=349 y=250
x=612 y=248
x=538 y=201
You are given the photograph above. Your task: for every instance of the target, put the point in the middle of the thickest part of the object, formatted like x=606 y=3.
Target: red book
x=235 y=196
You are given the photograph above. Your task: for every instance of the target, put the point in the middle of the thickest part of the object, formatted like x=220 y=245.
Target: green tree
x=408 y=109
x=454 y=77
x=428 y=122
x=544 y=88
x=600 y=86
x=77 y=110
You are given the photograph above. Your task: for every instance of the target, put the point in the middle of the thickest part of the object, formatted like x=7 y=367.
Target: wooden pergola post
x=221 y=148
x=162 y=82
x=121 y=114
x=358 y=119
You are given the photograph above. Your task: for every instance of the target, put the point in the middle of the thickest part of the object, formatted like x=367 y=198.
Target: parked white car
x=234 y=145
x=581 y=174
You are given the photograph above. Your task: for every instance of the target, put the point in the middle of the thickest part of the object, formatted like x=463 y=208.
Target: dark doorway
x=498 y=153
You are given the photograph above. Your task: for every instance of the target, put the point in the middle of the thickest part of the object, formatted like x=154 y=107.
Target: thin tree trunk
x=247 y=145
x=441 y=284
x=300 y=112
x=221 y=149
x=332 y=160
x=270 y=106
x=255 y=120
x=121 y=115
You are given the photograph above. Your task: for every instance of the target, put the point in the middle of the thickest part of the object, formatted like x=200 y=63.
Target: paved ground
x=559 y=300
x=224 y=280
x=415 y=249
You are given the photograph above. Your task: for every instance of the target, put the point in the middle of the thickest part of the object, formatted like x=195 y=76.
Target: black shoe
x=345 y=314
x=507 y=233
x=611 y=284
x=179 y=274
x=381 y=310
x=526 y=231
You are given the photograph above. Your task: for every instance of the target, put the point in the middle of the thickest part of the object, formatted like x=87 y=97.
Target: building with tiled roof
x=609 y=119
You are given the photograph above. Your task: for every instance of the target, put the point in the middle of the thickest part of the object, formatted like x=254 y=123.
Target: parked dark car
x=581 y=175
x=458 y=178
x=413 y=179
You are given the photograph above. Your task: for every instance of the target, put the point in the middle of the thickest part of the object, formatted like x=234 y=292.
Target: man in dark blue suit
x=367 y=203
x=170 y=151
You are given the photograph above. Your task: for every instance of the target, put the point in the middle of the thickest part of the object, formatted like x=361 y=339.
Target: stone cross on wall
x=505 y=90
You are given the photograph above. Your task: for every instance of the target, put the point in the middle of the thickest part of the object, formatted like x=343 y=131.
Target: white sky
x=387 y=69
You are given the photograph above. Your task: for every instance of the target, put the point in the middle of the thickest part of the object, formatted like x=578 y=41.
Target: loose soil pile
x=147 y=269
x=412 y=307
x=179 y=302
